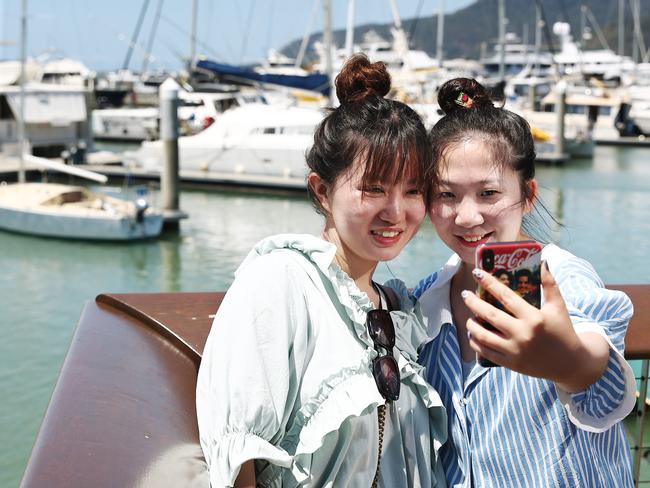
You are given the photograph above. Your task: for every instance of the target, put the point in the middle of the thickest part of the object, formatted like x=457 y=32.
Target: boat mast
x=305 y=38
x=349 y=32
x=400 y=41
x=440 y=32
x=327 y=38
x=621 y=27
x=147 y=55
x=538 y=39
x=195 y=9
x=502 y=40
x=136 y=33
x=21 y=122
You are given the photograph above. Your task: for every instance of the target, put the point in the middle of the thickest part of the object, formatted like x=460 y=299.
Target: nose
x=393 y=209
x=468 y=213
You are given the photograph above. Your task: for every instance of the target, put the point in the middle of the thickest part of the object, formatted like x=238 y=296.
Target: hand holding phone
x=517 y=265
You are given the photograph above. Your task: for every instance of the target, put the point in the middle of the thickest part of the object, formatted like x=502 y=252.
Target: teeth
x=386 y=233
x=473 y=238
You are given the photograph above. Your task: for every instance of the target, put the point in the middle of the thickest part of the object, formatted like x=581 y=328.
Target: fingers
x=551 y=291
x=499 y=319
x=512 y=302
x=484 y=351
x=485 y=338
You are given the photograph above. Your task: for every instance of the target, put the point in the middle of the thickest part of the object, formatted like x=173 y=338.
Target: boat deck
x=123 y=412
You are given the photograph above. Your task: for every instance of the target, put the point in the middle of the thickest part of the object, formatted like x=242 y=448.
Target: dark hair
x=524 y=272
x=387 y=134
x=470 y=112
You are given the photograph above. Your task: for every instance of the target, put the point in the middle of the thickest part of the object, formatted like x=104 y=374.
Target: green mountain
x=475 y=26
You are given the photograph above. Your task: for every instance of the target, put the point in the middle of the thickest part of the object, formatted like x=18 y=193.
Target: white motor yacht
x=256 y=140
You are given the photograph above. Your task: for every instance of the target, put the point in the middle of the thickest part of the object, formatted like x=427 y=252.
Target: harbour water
x=604 y=205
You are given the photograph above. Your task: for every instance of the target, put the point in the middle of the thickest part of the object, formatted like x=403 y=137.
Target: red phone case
x=516 y=264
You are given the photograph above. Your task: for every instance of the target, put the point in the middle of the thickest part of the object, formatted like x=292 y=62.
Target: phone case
x=516 y=264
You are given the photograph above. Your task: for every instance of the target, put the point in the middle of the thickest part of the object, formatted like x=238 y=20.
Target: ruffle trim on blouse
x=355 y=302
x=413 y=373
x=234 y=447
x=346 y=394
x=352 y=393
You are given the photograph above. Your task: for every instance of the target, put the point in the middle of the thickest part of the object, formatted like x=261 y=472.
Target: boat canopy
x=317 y=82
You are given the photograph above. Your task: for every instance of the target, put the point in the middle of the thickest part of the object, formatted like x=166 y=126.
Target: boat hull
x=76 y=227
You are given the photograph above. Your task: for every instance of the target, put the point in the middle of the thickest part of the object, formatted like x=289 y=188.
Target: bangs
x=391 y=160
x=497 y=148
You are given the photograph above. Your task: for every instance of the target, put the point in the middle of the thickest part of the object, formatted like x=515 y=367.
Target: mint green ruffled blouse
x=286 y=379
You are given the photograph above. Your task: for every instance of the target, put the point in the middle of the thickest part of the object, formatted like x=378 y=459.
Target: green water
x=44 y=283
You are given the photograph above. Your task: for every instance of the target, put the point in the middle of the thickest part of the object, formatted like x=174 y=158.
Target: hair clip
x=464 y=100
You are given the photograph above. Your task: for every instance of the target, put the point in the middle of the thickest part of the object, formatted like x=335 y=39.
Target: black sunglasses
x=384 y=367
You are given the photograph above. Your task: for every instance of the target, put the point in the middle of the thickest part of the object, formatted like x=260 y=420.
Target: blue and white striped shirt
x=511 y=430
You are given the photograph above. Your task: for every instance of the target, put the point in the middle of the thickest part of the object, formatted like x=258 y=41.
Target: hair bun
x=360 y=79
x=463 y=94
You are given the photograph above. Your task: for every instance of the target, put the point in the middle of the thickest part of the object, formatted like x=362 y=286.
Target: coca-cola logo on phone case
x=516 y=259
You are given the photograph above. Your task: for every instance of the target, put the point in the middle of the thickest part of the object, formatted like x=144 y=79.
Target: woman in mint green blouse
x=309 y=376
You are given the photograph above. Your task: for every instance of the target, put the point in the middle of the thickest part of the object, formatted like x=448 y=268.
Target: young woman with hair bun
x=309 y=375
x=550 y=413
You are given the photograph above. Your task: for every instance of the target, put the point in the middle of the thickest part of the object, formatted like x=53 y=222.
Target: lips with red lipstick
x=386 y=237
x=473 y=240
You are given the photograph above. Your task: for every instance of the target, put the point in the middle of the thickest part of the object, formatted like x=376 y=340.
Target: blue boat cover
x=317 y=82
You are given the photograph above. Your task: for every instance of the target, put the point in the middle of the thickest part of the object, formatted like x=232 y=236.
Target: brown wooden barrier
x=122 y=413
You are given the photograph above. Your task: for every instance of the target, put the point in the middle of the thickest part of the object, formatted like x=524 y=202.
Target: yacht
x=518 y=56
x=196 y=111
x=256 y=140
x=55 y=118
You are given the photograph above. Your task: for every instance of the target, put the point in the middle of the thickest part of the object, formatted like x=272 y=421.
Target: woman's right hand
x=536 y=342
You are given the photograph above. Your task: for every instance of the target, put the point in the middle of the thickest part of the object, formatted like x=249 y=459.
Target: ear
x=321 y=189
x=532 y=195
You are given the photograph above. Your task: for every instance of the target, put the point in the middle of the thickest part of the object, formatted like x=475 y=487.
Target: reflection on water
x=44 y=283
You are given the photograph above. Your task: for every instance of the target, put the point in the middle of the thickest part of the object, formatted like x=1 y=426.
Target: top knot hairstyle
x=387 y=136
x=360 y=79
x=463 y=94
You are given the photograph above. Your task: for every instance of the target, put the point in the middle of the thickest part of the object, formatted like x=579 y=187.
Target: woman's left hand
x=536 y=342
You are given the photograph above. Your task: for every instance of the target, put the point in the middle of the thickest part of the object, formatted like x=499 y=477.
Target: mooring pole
x=560 y=110
x=169 y=178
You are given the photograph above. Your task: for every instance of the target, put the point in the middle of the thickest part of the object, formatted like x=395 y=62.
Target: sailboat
x=75 y=212
x=65 y=211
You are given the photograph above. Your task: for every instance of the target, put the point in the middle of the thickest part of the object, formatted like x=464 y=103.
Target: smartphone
x=515 y=264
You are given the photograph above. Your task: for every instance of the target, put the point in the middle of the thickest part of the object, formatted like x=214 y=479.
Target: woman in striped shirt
x=551 y=415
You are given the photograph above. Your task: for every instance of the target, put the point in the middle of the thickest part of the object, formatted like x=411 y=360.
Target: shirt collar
x=434 y=302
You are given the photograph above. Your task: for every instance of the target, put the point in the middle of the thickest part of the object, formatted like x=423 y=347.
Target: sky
x=98 y=32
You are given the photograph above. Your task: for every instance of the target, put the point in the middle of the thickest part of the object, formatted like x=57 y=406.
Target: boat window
x=575 y=109
x=269 y=130
x=5 y=111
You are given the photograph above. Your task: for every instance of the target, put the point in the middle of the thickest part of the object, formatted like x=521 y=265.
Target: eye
x=446 y=195
x=415 y=191
x=373 y=190
x=489 y=193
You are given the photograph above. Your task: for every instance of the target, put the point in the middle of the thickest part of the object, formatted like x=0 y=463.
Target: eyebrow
x=485 y=182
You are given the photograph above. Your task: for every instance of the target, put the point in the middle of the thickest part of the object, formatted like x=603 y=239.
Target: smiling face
x=476 y=200
x=372 y=222
x=523 y=284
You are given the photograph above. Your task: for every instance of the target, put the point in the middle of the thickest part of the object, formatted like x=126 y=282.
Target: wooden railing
x=123 y=413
